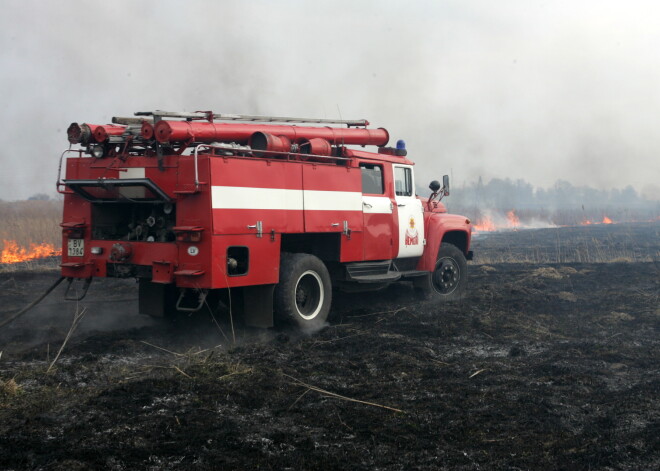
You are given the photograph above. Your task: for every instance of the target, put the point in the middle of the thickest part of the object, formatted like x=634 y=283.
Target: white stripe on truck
x=238 y=197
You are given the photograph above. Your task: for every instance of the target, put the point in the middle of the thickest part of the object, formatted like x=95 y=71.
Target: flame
x=484 y=225
x=493 y=221
x=587 y=222
x=514 y=221
x=13 y=253
x=488 y=224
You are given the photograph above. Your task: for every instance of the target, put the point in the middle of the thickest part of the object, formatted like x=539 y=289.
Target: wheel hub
x=309 y=295
x=301 y=296
x=446 y=276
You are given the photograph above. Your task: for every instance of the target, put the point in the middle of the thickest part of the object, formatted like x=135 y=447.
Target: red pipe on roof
x=181 y=131
x=101 y=133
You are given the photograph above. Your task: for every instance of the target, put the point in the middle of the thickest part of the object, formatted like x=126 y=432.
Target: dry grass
x=9 y=387
x=193 y=364
x=27 y=223
x=46 y=265
x=31 y=222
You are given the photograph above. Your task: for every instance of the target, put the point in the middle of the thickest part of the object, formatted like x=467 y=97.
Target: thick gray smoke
x=520 y=89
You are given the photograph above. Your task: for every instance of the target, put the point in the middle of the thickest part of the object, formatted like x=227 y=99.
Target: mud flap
x=258 y=305
x=156 y=299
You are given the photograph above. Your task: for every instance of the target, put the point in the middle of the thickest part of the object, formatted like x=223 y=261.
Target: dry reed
x=31 y=222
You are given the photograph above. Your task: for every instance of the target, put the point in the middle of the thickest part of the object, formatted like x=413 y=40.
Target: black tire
x=304 y=293
x=448 y=281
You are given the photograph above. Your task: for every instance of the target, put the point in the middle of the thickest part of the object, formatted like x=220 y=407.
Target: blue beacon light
x=401 y=144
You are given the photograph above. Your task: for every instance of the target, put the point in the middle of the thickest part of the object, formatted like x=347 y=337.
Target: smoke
x=526 y=89
x=111 y=314
x=505 y=203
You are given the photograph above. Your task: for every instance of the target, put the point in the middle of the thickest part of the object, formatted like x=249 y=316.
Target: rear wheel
x=304 y=293
x=449 y=279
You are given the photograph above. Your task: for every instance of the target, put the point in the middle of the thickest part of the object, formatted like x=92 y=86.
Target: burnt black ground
x=543 y=366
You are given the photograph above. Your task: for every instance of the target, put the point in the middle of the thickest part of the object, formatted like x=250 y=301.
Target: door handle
x=364 y=203
x=258 y=226
x=401 y=204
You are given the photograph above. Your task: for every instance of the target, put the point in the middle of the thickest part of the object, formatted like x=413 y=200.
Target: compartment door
x=377 y=212
x=332 y=197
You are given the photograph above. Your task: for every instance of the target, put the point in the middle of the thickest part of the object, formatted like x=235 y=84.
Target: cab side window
x=372 y=179
x=403 y=181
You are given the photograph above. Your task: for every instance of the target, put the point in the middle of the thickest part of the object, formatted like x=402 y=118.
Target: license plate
x=76 y=247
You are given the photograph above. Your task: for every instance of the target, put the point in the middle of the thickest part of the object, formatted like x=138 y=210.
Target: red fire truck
x=272 y=212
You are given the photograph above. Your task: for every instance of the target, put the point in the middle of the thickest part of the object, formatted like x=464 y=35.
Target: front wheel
x=304 y=293
x=449 y=279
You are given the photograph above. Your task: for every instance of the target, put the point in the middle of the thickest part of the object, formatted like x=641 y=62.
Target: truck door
x=377 y=213
x=410 y=213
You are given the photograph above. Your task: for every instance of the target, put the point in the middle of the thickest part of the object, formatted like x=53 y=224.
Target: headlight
x=97 y=151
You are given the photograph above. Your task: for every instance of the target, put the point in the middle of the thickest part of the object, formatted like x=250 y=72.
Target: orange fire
x=13 y=253
x=484 y=225
x=488 y=224
x=514 y=221
x=493 y=222
x=606 y=220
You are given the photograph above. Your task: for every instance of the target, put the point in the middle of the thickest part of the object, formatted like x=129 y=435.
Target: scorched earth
x=544 y=365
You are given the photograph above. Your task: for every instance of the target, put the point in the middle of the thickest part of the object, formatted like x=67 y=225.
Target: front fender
x=441 y=227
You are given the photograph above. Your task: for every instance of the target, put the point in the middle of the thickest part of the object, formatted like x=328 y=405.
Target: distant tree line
x=506 y=194
x=39 y=197
x=561 y=204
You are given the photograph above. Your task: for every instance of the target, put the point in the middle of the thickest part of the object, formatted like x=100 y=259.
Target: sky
x=520 y=89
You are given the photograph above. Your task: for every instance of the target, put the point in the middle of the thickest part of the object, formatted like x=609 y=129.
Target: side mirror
x=434 y=186
x=445 y=184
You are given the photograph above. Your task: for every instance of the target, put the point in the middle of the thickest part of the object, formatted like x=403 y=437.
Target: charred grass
x=543 y=366
x=603 y=243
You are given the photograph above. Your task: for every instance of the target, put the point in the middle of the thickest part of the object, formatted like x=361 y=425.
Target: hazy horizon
x=522 y=89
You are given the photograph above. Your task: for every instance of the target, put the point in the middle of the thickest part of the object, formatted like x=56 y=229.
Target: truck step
x=384 y=278
x=359 y=270
x=390 y=276
x=410 y=274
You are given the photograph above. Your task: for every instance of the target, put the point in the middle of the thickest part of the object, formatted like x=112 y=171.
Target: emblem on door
x=412 y=237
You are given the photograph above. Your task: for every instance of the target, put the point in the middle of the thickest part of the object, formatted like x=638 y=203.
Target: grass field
x=604 y=243
x=31 y=222
x=26 y=225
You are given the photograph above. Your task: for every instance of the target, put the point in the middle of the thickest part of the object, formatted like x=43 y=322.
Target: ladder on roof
x=210 y=116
